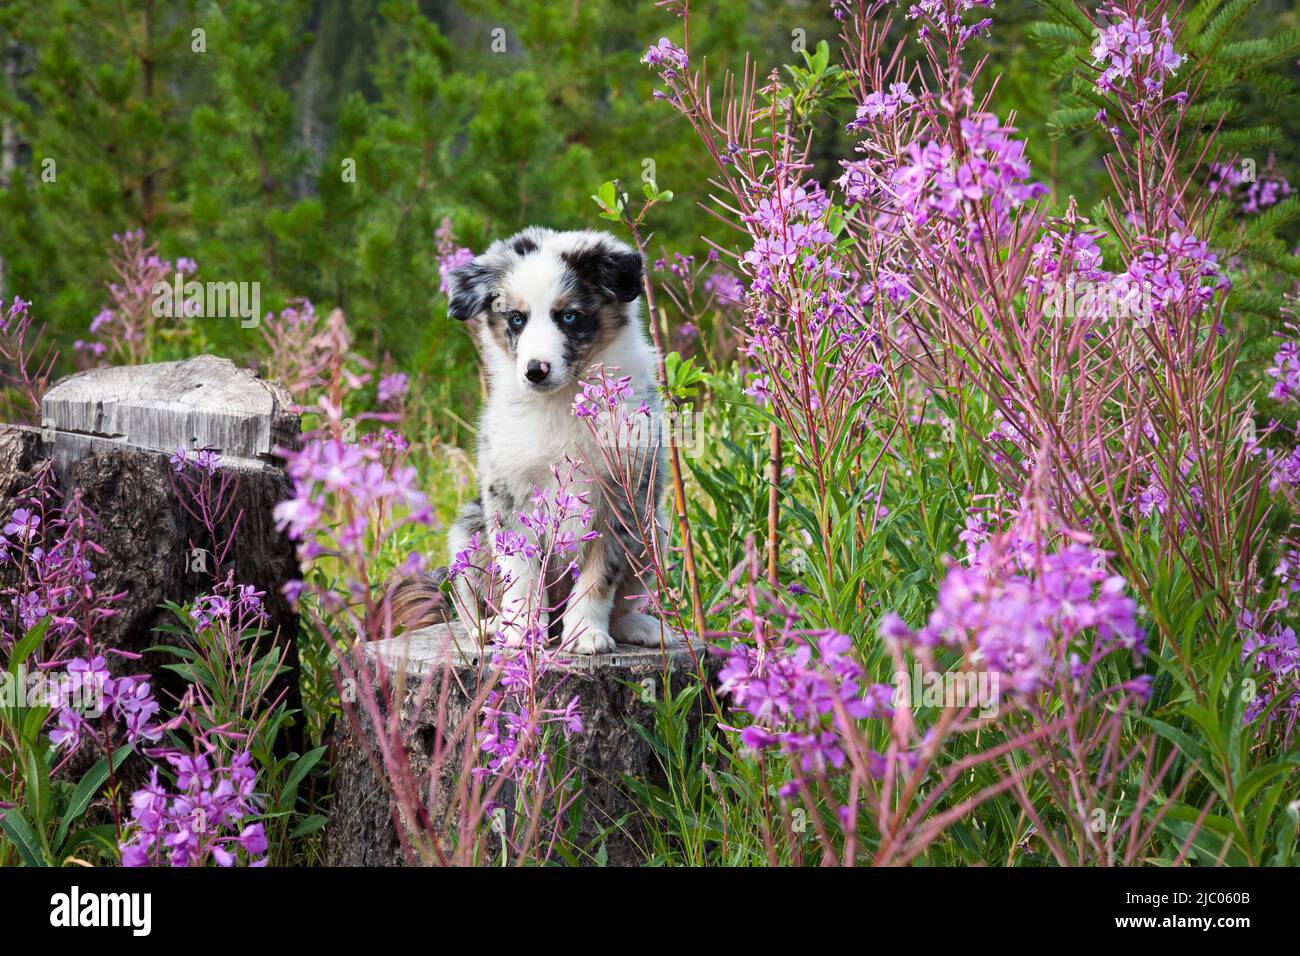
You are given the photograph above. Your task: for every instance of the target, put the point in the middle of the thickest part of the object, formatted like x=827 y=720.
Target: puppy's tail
x=417 y=601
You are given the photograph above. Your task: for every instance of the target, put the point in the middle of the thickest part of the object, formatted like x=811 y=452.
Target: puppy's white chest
x=528 y=440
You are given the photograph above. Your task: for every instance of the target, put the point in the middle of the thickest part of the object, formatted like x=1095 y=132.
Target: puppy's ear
x=471 y=289
x=615 y=273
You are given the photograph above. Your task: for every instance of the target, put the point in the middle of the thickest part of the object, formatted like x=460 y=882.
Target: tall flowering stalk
x=1255 y=193
x=206 y=806
x=125 y=330
x=207 y=791
x=816 y=366
x=48 y=551
x=451 y=256
x=628 y=440
x=1083 y=373
x=26 y=361
x=210 y=816
x=349 y=499
x=526 y=709
x=314 y=357
x=866 y=765
x=1059 y=373
x=356 y=498
x=110 y=715
x=54 y=607
x=301 y=344
x=210 y=809
x=615 y=207
x=944 y=200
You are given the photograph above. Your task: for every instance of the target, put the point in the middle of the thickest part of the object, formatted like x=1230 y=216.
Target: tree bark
x=110 y=433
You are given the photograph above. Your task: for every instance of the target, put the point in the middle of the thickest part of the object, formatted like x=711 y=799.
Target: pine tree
x=90 y=102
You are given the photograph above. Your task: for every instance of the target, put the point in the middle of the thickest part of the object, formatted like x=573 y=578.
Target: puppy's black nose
x=537 y=371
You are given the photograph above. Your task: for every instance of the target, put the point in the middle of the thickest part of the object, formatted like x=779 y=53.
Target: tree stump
x=614 y=691
x=110 y=432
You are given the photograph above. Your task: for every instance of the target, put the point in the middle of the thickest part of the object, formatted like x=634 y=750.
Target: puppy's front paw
x=643 y=630
x=579 y=638
x=504 y=628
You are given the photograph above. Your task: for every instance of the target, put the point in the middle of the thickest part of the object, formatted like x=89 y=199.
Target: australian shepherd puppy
x=546 y=306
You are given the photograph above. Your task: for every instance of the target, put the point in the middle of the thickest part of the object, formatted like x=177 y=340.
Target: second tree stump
x=614 y=691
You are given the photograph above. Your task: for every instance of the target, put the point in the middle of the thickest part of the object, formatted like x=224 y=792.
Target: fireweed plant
x=127 y=329
x=27 y=361
x=358 y=497
x=207 y=783
x=236 y=720
x=1041 y=410
x=77 y=714
x=529 y=712
x=213 y=787
x=60 y=699
x=216 y=788
x=990 y=530
x=627 y=439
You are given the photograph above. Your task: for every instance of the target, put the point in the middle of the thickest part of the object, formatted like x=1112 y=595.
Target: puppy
x=546 y=306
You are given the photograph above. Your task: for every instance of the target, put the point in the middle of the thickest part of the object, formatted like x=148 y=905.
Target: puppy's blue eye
x=517 y=320
x=569 y=318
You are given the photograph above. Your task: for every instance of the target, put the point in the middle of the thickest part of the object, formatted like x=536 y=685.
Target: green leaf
x=34 y=723
x=1260 y=777
x=302 y=767
x=607 y=197
x=1189 y=747
x=37 y=778
x=29 y=642
x=104 y=835
x=21 y=835
x=822 y=58
x=307 y=825
x=85 y=792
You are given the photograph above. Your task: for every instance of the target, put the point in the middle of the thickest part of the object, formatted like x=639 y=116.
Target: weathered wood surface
x=203 y=402
x=612 y=690
x=110 y=433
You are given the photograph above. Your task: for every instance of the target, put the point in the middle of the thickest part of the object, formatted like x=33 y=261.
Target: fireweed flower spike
x=1254 y=194
x=519 y=714
x=665 y=56
x=931 y=259
x=124 y=329
x=1286 y=372
x=1135 y=55
x=209 y=817
x=1275 y=657
x=450 y=255
x=881 y=106
x=1019 y=611
x=793 y=693
x=48 y=545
